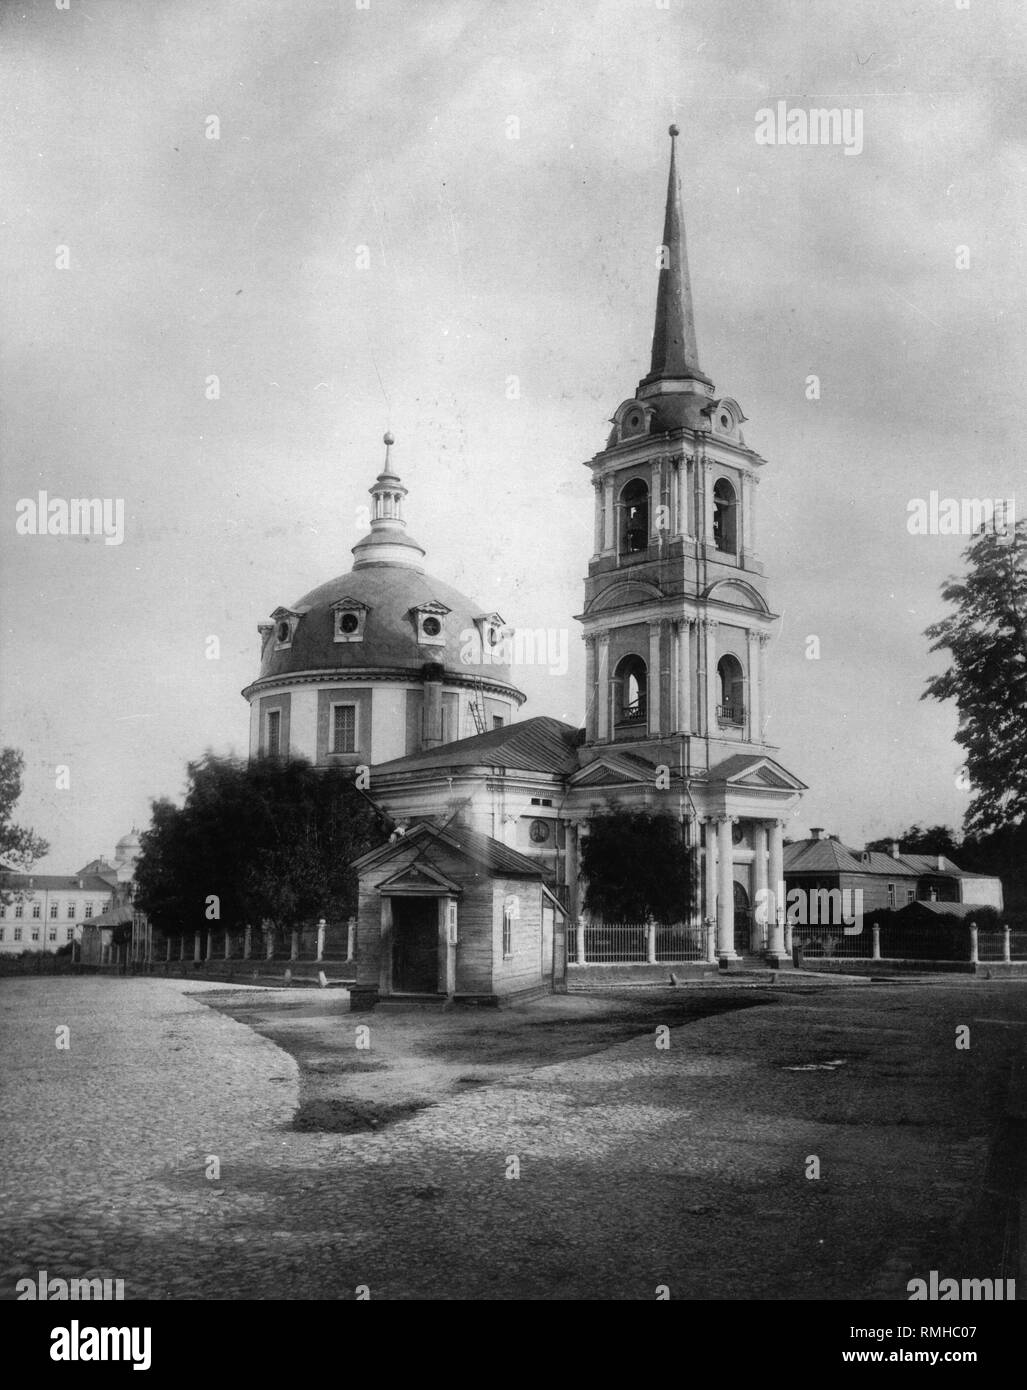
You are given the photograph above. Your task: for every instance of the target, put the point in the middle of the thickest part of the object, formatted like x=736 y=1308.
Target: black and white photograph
x=513 y=669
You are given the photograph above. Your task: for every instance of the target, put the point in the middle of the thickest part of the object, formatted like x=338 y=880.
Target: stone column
x=675 y=497
x=321 y=927
x=760 y=866
x=591 y=690
x=196 y=948
x=753 y=715
x=570 y=870
x=710 y=639
x=725 y=892
x=580 y=932
x=269 y=947
x=684 y=705
x=247 y=942
x=778 y=950
x=653 y=680
x=710 y=870
x=656 y=500
x=597 y=490
x=167 y=948
x=650 y=943
x=707 y=486
x=686 y=488
x=609 y=540
x=744 y=508
x=750 y=531
x=603 y=687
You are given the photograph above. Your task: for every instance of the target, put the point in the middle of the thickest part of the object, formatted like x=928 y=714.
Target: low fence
x=944 y=941
x=638 y=943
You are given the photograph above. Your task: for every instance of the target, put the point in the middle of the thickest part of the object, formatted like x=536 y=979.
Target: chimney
x=941 y=863
x=895 y=849
x=934 y=895
x=817 y=832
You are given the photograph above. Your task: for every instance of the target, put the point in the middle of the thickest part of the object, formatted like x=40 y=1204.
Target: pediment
x=759 y=773
x=419 y=878
x=611 y=772
x=737 y=593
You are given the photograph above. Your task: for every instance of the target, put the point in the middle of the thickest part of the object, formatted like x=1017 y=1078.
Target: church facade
x=399 y=676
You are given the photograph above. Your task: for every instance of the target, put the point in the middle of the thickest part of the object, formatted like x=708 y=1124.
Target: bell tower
x=676 y=617
x=676 y=624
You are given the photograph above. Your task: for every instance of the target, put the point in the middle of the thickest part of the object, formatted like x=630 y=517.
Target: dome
x=386 y=617
x=391 y=596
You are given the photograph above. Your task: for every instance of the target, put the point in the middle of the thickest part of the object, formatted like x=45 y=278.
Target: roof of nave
x=541 y=744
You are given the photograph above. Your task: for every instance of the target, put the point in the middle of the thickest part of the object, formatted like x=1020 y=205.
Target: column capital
x=762 y=638
x=708 y=624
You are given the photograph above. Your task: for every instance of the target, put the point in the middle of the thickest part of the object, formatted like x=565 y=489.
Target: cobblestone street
x=638 y=1166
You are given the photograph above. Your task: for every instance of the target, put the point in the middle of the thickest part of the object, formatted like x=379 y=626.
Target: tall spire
x=674 y=351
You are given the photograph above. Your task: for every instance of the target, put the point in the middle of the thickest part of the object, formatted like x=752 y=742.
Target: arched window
x=634 y=517
x=631 y=680
x=731 y=683
x=725 y=517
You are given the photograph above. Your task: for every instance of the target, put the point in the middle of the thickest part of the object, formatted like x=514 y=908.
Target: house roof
x=76 y=883
x=497 y=859
x=532 y=745
x=831 y=856
x=941 y=909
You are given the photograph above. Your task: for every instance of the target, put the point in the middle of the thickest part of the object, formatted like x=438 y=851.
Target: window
x=19 y=911
x=731 y=681
x=344 y=728
x=3 y=909
x=350 y=616
x=69 y=934
x=54 y=908
x=52 y=934
x=35 y=933
x=630 y=684
x=498 y=721
x=910 y=895
x=71 y=911
x=37 y=909
x=508 y=921
x=17 y=933
x=725 y=516
x=273 y=737
x=541 y=801
x=89 y=909
x=3 y=933
x=634 y=518
x=891 y=894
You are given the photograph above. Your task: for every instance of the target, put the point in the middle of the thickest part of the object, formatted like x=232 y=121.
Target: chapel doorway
x=743 y=921
x=415 y=945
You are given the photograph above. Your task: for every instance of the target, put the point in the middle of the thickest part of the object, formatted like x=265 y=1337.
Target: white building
x=48 y=911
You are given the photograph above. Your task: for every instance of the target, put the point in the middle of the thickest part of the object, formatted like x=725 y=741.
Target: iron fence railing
x=633 y=943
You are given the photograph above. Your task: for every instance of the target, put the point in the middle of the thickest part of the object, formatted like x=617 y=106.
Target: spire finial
x=674 y=348
x=388 y=440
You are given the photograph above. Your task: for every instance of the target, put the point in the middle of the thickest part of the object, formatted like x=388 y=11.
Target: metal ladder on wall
x=477 y=706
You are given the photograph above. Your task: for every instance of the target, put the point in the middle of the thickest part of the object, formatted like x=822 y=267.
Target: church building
x=394 y=673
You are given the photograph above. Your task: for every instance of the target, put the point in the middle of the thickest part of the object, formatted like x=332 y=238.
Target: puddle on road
x=817 y=1066
x=352 y=1116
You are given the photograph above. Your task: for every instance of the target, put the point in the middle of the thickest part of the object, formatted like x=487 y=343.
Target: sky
x=359 y=218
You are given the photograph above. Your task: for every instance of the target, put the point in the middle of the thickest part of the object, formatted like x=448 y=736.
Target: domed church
x=399 y=676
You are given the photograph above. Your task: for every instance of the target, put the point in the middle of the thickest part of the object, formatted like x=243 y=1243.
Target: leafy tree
x=267 y=840
x=636 y=865
x=936 y=839
x=986 y=635
x=19 y=846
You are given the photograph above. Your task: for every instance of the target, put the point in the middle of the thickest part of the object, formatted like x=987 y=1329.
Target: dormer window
x=349 y=616
x=493 y=633
x=285 y=621
x=430 y=623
